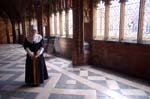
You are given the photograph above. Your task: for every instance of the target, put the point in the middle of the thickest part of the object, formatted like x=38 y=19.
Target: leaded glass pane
x=52 y=25
x=70 y=23
x=16 y=29
x=114 y=19
x=27 y=26
x=63 y=24
x=44 y=31
x=20 y=25
x=58 y=29
x=34 y=21
x=131 y=20
x=100 y=20
x=146 y=29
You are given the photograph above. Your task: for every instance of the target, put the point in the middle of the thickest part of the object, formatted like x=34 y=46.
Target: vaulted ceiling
x=14 y=9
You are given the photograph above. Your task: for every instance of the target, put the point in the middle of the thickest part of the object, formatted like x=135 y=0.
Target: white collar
x=35 y=38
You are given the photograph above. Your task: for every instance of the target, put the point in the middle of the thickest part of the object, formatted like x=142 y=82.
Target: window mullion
x=67 y=23
x=50 y=21
x=122 y=18
x=60 y=24
x=55 y=24
x=94 y=20
x=141 y=21
x=107 y=9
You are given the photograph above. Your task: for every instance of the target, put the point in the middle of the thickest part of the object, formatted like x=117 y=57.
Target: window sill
x=113 y=40
x=145 y=42
x=129 y=41
x=70 y=36
x=99 y=39
x=63 y=36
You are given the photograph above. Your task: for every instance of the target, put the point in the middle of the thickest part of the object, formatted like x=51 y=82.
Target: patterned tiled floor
x=65 y=81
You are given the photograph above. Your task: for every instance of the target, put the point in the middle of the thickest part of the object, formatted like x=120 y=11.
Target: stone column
x=48 y=21
x=39 y=16
x=67 y=22
x=78 y=53
x=23 y=29
x=7 y=31
x=60 y=23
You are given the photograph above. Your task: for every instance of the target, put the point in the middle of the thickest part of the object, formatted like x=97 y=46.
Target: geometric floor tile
x=96 y=78
x=65 y=81
x=62 y=96
x=71 y=82
x=5 y=76
x=112 y=84
x=133 y=92
x=18 y=95
x=83 y=73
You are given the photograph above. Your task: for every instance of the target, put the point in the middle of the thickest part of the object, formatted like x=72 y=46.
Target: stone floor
x=65 y=81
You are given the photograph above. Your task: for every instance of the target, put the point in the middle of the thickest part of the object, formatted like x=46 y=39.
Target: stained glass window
x=70 y=19
x=34 y=21
x=16 y=29
x=114 y=19
x=100 y=20
x=146 y=28
x=27 y=27
x=20 y=26
x=52 y=20
x=63 y=24
x=131 y=20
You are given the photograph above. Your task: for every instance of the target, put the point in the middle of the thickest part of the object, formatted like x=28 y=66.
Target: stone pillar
x=19 y=33
x=48 y=21
x=141 y=21
x=14 y=32
x=23 y=29
x=78 y=53
x=122 y=18
x=39 y=16
x=55 y=23
x=88 y=28
x=60 y=23
x=7 y=31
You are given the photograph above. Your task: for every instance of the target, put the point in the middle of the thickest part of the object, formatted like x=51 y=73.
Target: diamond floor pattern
x=65 y=81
